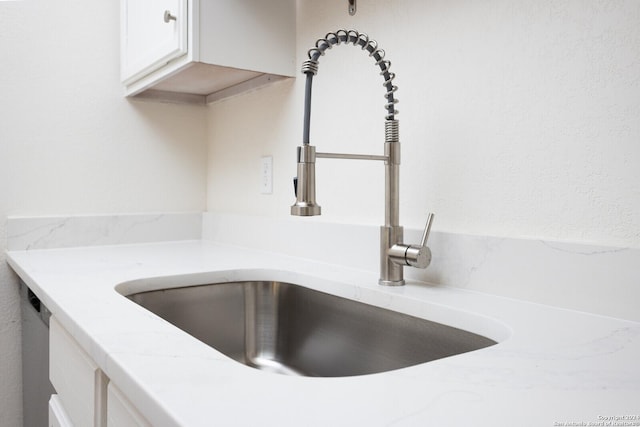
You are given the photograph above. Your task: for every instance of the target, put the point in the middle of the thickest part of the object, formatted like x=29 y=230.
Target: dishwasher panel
x=36 y=388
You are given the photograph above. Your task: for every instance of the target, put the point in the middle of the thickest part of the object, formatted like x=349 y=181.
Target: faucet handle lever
x=419 y=256
x=427 y=229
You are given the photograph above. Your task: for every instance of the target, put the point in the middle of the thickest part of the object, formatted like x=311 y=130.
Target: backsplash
x=596 y=279
x=28 y=233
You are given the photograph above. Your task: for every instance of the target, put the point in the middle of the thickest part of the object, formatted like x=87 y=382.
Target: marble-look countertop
x=550 y=366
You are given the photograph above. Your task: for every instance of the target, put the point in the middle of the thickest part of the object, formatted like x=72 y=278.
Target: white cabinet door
x=80 y=384
x=153 y=33
x=57 y=415
x=121 y=412
x=220 y=47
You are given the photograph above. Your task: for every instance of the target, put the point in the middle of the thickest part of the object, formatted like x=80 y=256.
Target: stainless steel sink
x=290 y=329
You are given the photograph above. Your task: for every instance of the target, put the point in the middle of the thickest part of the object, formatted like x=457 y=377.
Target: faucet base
x=391 y=282
x=391 y=273
x=300 y=209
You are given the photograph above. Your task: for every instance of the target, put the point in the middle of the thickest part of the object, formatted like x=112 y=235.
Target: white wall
x=518 y=119
x=71 y=144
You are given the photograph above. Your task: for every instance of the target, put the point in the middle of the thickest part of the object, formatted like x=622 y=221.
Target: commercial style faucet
x=394 y=254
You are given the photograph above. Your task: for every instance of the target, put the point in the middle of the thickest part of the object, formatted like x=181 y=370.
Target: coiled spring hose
x=310 y=68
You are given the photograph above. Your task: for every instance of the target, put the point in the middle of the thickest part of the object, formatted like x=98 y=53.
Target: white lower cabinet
x=121 y=412
x=80 y=384
x=57 y=415
x=85 y=396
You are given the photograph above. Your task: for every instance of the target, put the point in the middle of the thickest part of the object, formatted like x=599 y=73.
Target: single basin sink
x=290 y=329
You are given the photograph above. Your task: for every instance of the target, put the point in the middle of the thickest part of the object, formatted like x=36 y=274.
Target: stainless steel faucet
x=394 y=254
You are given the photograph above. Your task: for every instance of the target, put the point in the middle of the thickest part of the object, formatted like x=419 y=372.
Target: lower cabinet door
x=57 y=415
x=120 y=412
x=80 y=385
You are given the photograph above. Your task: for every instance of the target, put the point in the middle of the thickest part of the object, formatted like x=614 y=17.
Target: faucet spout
x=393 y=254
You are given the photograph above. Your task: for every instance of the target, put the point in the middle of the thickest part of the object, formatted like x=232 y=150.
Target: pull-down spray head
x=305 y=184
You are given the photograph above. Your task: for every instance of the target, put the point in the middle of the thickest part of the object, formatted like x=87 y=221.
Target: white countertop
x=550 y=365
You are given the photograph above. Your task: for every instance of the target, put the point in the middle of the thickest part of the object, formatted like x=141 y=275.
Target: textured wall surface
x=71 y=144
x=517 y=119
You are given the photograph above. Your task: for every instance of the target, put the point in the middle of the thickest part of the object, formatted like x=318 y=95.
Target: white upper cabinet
x=153 y=33
x=204 y=50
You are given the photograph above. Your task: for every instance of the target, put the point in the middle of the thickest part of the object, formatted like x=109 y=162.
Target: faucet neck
x=392 y=174
x=307 y=109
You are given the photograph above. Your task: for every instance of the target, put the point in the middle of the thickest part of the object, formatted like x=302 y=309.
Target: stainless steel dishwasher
x=36 y=388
